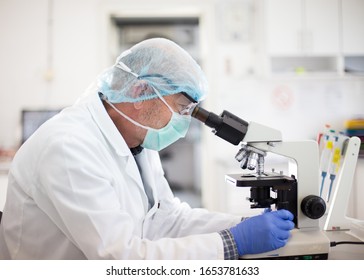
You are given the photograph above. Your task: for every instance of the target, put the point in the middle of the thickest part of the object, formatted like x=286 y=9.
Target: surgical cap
x=154 y=64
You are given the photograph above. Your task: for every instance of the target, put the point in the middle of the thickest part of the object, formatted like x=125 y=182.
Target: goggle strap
x=161 y=98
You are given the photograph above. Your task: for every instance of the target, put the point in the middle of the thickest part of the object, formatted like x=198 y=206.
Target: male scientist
x=89 y=183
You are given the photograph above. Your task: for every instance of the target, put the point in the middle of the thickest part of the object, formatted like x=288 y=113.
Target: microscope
x=298 y=193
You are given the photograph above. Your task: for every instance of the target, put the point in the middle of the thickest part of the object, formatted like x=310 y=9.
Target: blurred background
x=295 y=65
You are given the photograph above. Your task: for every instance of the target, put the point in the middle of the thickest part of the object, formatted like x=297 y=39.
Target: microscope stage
x=263 y=180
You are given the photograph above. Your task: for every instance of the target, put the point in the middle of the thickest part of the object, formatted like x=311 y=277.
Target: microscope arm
x=306 y=168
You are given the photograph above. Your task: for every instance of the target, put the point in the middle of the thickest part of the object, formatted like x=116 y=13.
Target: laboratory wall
x=52 y=50
x=49 y=54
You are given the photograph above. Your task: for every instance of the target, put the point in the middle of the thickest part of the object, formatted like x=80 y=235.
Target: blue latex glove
x=263 y=233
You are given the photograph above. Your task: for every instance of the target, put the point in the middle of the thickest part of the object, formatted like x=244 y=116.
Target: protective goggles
x=185 y=104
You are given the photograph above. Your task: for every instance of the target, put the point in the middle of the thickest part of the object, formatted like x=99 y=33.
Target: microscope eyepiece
x=227 y=126
x=208 y=118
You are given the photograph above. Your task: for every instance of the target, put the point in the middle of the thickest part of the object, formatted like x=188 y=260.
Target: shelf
x=304 y=64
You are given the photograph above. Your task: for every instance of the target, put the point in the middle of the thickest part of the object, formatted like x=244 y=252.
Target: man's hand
x=263 y=233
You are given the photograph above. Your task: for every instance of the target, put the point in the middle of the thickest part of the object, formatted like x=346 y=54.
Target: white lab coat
x=75 y=192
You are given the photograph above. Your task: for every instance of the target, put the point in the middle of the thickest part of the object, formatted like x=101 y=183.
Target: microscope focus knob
x=313 y=206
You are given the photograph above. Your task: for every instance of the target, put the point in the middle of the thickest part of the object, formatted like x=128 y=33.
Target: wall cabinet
x=315 y=36
x=353 y=27
x=283 y=25
x=353 y=36
x=302 y=27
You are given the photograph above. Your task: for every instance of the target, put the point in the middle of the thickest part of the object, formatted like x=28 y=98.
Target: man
x=89 y=183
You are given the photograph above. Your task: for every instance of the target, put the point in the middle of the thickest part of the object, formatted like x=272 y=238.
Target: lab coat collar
x=106 y=125
x=113 y=136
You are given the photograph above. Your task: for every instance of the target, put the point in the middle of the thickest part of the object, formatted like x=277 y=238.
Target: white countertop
x=344 y=251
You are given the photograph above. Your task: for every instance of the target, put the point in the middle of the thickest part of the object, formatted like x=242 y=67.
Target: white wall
x=25 y=63
x=82 y=45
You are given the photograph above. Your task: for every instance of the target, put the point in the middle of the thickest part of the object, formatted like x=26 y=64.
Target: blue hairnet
x=153 y=64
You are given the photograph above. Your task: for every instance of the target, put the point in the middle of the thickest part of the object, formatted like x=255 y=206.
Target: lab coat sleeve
x=177 y=219
x=77 y=194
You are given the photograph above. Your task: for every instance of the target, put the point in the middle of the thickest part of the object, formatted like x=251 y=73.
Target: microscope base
x=302 y=245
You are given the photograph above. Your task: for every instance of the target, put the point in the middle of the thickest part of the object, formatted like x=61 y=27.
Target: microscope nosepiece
x=252 y=161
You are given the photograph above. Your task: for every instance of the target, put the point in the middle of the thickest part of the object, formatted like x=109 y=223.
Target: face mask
x=158 y=139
